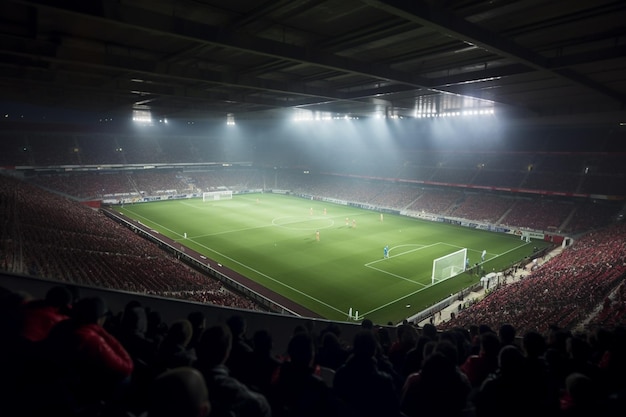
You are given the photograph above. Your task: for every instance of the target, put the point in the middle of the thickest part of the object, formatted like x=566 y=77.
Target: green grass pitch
x=272 y=239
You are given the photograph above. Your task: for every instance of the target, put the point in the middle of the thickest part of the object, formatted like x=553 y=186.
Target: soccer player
x=317 y=235
x=482 y=257
x=347 y=221
x=386 y=252
x=324 y=211
x=381 y=217
x=354 y=223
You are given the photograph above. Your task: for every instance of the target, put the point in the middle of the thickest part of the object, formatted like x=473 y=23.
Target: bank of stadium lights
x=142 y=116
x=462 y=113
x=319 y=116
x=230 y=119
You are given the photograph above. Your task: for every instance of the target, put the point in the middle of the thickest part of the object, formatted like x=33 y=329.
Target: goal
x=217 y=195
x=449 y=265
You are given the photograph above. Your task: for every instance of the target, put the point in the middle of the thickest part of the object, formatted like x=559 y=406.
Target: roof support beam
x=428 y=14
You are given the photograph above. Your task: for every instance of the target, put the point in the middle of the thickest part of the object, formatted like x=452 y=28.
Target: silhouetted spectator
x=331 y=354
x=157 y=328
x=228 y=396
x=198 y=324
x=367 y=390
x=297 y=391
x=478 y=367
x=439 y=389
x=173 y=351
x=581 y=397
x=506 y=333
x=91 y=363
x=180 y=392
x=264 y=365
x=513 y=391
x=132 y=335
x=240 y=357
x=40 y=316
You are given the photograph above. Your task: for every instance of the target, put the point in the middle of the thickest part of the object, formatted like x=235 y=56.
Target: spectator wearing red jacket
x=91 y=364
x=40 y=316
x=479 y=367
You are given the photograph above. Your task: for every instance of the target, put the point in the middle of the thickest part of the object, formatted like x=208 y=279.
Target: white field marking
x=272 y=279
x=428 y=286
x=395 y=275
x=197 y=236
x=488 y=253
x=147 y=220
x=267 y=225
x=255 y=271
x=420 y=247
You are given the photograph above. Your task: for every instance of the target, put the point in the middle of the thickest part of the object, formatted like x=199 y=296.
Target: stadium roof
x=561 y=61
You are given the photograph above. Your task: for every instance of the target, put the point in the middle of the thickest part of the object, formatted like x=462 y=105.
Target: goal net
x=449 y=265
x=217 y=195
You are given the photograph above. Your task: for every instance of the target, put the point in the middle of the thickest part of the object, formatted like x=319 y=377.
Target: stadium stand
x=435 y=201
x=563 y=291
x=572 y=298
x=538 y=214
x=62 y=240
x=484 y=208
x=545 y=363
x=557 y=296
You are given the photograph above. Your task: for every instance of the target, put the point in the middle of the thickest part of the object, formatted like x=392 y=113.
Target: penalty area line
x=396 y=300
x=394 y=275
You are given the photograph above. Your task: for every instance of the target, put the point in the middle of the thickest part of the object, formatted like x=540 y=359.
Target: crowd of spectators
x=593 y=173
x=538 y=214
x=562 y=181
x=613 y=311
x=87 y=185
x=590 y=215
x=533 y=213
x=454 y=175
x=435 y=201
x=72 y=356
x=484 y=208
x=52 y=237
x=84 y=360
x=564 y=290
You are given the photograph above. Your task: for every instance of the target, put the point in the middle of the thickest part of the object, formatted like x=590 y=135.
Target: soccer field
x=273 y=240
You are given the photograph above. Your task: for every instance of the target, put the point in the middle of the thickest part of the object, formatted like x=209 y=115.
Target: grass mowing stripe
x=333 y=274
x=270 y=278
x=251 y=269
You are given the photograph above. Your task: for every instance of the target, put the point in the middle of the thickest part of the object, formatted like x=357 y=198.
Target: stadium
x=443 y=181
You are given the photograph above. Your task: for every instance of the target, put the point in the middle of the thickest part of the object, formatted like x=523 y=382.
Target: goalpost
x=449 y=266
x=217 y=195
